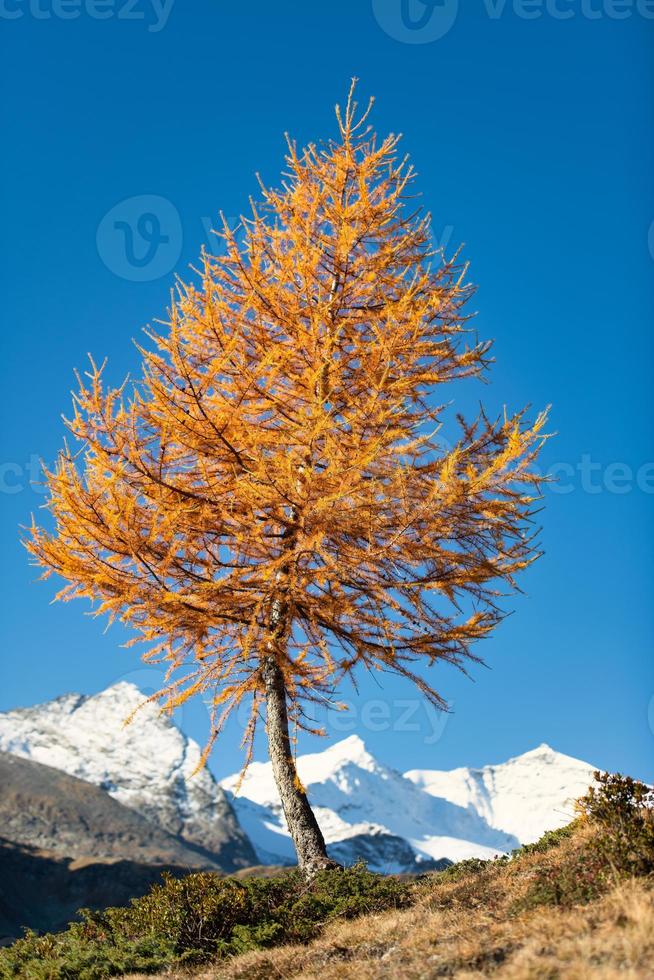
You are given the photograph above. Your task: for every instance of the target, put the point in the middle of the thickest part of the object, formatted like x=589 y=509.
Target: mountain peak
x=546 y=754
x=543 y=749
x=350 y=751
x=149 y=766
x=124 y=693
x=525 y=795
x=353 y=740
x=126 y=688
x=350 y=748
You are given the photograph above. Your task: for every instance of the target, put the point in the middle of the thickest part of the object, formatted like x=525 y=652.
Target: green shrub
x=463 y=869
x=348 y=894
x=198 y=918
x=193 y=915
x=75 y=955
x=550 y=839
x=582 y=879
x=619 y=812
x=621 y=809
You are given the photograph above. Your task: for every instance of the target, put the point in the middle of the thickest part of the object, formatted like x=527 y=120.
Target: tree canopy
x=277 y=480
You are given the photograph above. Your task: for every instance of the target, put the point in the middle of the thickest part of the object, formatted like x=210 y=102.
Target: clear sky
x=129 y=126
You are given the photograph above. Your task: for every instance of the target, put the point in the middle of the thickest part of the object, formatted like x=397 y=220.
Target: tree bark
x=300 y=818
x=302 y=824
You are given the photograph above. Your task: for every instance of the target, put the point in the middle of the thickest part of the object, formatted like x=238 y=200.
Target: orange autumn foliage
x=277 y=479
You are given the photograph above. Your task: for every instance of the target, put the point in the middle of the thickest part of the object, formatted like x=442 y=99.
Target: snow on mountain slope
x=395 y=822
x=353 y=794
x=525 y=796
x=146 y=765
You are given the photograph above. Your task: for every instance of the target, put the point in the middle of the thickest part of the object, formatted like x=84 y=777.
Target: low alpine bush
x=198 y=918
x=619 y=811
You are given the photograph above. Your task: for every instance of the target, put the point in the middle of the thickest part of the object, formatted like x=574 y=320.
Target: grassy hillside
x=486 y=923
x=579 y=903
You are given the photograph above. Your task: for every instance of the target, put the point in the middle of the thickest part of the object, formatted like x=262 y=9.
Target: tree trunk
x=302 y=824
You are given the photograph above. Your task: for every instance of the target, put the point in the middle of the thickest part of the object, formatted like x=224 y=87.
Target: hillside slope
x=609 y=939
x=577 y=904
x=67 y=844
x=45 y=808
x=42 y=890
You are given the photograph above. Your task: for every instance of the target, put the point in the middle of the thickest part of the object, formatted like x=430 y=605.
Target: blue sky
x=531 y=133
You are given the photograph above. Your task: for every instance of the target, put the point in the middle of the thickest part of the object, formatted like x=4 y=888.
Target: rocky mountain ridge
x=148 y=765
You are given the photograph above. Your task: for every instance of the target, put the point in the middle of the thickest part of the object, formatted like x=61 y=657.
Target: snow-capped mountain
x=147 y=765
x=525 y=796
x=366 y=809
x=454 y=815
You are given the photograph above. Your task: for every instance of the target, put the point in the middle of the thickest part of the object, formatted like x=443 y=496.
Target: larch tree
x=272 y=504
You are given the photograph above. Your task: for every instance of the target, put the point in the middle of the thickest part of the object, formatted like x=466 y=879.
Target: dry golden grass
x=470 y=928
x=610 y=938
